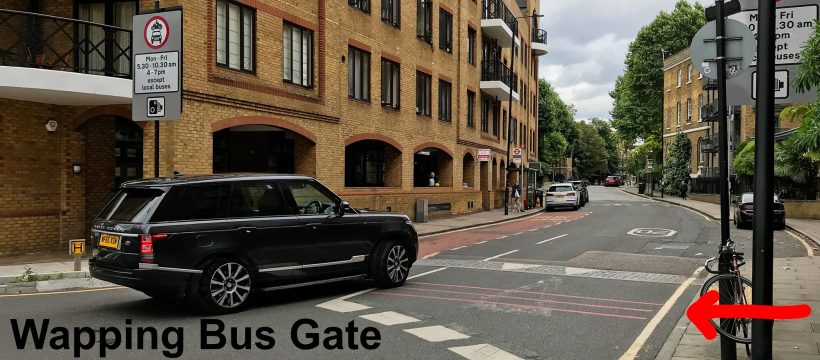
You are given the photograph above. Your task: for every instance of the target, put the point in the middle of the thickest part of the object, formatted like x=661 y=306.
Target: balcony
x=710 y=84
x=498 y=80
x=709 y=112
x=539 y=42
x=63 y=61
x=498 y=22
x=710 y=145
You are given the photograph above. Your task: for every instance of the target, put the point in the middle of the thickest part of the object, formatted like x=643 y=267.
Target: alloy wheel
x=396 y=263
x=230 y=285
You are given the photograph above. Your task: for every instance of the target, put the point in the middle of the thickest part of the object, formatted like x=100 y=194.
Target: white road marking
x=503 y=237
x=458 y=248
x=431 y=255
x=515 y=266
x=548 y=240
x=437 y=333
x=577 y=271
x=518 y=233
x=525 y=217
x=342 y=306
x=802 y=241
x=426 y=273
x=639 y=342
x=481 y=242
x=500 y=255
x=390 y=318
x=483 y=352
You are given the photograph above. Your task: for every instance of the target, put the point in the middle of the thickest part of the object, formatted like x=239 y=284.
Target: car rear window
x=130 y=205
x=193 y=202
x=560 y=188
x=747 y=198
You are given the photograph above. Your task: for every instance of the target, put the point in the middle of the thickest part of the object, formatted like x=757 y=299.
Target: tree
x=590 y=153
x=556 y=125
x=744 y=161
x=610 y=138
x=808 y=77
x=677 y=167
x=638 y=94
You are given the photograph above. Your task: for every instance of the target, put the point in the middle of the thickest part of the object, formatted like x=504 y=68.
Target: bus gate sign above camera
x=157 y=66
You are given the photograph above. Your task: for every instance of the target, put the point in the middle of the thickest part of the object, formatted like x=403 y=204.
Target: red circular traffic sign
x=156 y=32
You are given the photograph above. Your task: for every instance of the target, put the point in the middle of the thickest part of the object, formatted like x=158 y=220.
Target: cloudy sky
x=588 y=41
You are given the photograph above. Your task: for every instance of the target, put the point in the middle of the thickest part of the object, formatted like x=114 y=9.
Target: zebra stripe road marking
x=390 y=318
x=483 y=352
x=437 y=333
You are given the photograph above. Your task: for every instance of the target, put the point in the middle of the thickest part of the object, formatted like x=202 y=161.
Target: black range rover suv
x=218 y=239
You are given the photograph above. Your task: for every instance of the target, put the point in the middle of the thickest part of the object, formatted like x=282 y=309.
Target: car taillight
x=779 y=206
x=743 y=207
x=571 y=194
x=147 y=246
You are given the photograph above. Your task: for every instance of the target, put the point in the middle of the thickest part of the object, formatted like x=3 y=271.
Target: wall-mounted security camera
x=51 y=125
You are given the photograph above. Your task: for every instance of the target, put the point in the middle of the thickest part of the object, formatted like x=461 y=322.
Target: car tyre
x=224 y=287
x=391 y=264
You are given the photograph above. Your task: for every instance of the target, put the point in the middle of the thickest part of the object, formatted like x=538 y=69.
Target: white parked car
x=562 y=195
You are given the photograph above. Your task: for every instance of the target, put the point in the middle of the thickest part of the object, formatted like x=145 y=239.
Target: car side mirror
x=342 y=208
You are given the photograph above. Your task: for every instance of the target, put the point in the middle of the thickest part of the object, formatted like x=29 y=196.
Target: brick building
x=690 y=106
x=368 y=96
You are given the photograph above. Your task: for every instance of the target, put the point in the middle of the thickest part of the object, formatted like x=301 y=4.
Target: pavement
x=796 y=281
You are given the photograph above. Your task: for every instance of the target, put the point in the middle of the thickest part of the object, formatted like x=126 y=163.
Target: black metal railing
x=539 y=36
x=50 y=42
x=709 y=112
x=496 y=70
x=710 y=84
x=496 y=9
x=709 y=144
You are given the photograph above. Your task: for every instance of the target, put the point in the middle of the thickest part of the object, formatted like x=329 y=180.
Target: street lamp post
x=509 y=112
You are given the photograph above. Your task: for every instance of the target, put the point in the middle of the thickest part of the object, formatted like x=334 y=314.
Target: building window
x=689 y=74
x=470 y=109
x=358 y=77
x=689 y=111
x=470 y=46
x=506 y=129
x=298 y=55
x=391 y=81
x=485 y=115
x=363 y=5
x=424 y=85
x=365 y=164
x=445 y=31
x=680 y=76
x=391 y=12
x=496 y=113
x=235 y=35
x=678 y=117
x=424 y=21
x=445 y=100
x=700 y=107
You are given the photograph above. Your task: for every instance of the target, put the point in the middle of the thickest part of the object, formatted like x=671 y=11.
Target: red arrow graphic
x=704 y=309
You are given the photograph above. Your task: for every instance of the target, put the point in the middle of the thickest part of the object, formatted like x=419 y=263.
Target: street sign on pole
x=794 y=24
x=517 y=155
x=740 y=53
x=157 y=66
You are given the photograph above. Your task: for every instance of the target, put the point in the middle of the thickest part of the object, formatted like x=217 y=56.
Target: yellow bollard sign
x=76 y=247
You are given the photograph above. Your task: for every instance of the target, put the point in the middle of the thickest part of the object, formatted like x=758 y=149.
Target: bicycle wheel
x=740 y=294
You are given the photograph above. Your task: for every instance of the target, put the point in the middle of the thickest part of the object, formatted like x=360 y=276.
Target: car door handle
x=313 y=226
x=247 y=230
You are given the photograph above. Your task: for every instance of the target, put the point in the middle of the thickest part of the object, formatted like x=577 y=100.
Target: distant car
x=562 y=195
x=581 y=187
x=612 y=181
x=744 y=211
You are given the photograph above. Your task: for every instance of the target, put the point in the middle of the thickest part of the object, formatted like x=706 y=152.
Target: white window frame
x=680 y=77
x=689 y=74
x=689 y=110
x=679 y=114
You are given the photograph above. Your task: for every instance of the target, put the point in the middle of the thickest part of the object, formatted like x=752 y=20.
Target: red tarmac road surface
x=438 y=243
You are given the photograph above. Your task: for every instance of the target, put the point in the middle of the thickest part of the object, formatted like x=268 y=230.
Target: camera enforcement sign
x=157 y=66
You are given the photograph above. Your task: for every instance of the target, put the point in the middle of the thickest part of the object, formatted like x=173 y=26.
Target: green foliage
x=677 y=168
x=555 y=120
x=636 y=162
x=808 y=77
x=29 y=275
x=638 y=94
x=744 y=161
x=589 y=154
x=610 y=138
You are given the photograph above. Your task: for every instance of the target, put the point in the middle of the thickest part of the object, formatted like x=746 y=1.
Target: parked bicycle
x=740 y=293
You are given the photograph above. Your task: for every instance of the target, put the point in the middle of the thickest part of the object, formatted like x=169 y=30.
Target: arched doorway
x=433 y=161
x=483 y=181
x=468 y=170
x=264 y=149
x=372 y=163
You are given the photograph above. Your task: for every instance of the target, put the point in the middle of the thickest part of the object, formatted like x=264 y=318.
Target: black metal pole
x=509 y=120
x=156 y=123
x=764 y=180
x=728 y=350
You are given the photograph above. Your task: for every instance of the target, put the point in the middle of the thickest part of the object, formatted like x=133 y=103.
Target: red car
x=612 y=181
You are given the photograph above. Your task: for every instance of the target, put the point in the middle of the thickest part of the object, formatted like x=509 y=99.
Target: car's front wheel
x=390 y=264
x=224 y=287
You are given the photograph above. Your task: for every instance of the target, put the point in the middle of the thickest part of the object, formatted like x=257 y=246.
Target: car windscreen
x=560 y=188
x=130 y=205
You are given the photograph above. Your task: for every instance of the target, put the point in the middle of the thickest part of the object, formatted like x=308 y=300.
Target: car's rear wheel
x=224 y=287
x=390 y=264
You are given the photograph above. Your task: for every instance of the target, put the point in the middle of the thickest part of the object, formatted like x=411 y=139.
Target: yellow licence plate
x=560 y=196
x=110 y=241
